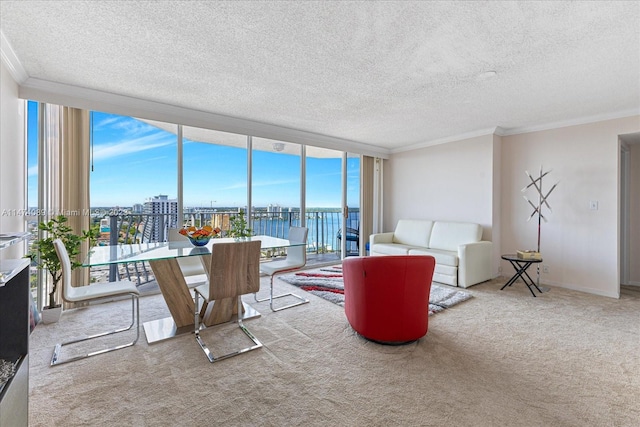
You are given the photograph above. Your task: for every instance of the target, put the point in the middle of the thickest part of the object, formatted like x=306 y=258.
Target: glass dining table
x=162 y=258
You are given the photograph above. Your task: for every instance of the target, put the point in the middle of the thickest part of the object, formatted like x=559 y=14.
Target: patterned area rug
x=327 y=283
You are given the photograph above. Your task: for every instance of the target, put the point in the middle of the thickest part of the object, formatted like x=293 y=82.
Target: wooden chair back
x=234 y=269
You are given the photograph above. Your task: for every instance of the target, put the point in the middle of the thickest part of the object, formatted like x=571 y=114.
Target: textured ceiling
x=388 y=74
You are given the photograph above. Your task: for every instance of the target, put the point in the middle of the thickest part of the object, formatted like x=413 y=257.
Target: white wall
x=12 y=161
x=634 y=215
x=449 y=182
x=496 y=231
x=445 y=182
x=579 y=245
x=481 y=179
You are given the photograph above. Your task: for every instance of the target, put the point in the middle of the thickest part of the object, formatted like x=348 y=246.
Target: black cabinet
x=14 y=341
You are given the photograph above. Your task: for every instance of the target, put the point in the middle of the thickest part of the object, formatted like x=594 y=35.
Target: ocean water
x=324 y=228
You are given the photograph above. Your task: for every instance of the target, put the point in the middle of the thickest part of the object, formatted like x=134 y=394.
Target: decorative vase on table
x=200 y=236
x=199 y=242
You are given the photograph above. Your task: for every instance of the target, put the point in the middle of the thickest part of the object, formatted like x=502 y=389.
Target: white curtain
x=378 y=193
x=366 y=201
x=63 y=171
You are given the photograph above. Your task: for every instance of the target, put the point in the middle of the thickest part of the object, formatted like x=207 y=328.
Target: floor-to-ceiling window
x=275 y=186
x=133 y=186
x=214 y=171
x=324 y=198
x=32 y=155
x=150 y=176
x=131 y=161
x=133 y=176
x=32 y=186
x=352 y=220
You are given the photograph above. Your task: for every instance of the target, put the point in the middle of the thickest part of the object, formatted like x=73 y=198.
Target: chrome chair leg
x=272 y=297
x=135 y=319
x=256 y=343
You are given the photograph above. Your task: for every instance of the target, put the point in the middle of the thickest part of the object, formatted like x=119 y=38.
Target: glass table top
x=103 y=255
x=11 y=238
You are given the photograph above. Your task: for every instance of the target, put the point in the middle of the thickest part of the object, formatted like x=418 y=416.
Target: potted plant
x=239 y=226
x=43 y=254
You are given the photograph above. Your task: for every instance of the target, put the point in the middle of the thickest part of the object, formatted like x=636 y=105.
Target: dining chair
x=296 y=259
x=234 y=271
x=192 y=267
x=89 y=293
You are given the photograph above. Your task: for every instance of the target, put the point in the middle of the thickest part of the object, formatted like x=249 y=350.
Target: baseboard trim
x=599 y=292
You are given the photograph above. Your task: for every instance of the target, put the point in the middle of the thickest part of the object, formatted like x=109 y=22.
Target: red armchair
x=386 y=298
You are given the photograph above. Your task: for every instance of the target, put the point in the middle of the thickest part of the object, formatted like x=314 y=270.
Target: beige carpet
x=503 y=358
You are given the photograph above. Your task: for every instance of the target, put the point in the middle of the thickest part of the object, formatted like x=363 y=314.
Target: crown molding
x=11 y=61
x=90 y=99
x=573 y=122
x=500 y=131
x=459 y=137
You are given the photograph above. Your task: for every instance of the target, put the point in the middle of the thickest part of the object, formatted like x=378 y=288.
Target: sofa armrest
x=381 y=238
x=474 y=263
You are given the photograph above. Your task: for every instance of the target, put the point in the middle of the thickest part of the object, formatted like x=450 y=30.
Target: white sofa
x=462 y=257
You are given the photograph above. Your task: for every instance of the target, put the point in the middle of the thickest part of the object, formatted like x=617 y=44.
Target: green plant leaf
x=44 y=256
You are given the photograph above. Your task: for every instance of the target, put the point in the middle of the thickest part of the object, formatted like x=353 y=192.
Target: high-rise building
x=161 y=214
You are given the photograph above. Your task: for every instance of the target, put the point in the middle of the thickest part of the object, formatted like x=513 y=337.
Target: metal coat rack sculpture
x=542 y=202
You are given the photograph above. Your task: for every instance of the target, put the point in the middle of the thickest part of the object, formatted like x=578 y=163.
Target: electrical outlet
x=593 y=205
x=545 y=269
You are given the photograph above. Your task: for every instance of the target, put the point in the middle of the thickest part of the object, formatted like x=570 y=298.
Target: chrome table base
x=163 y=329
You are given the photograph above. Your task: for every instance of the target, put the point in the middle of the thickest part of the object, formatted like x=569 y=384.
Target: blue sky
x=133 y=161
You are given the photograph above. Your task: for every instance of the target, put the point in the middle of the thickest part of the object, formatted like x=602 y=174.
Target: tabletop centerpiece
x=200 y=236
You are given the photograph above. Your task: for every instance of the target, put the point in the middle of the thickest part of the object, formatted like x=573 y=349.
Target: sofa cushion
x=451 y=280
x=449 y=235
x=390 y=249
x=442 y=257
x=447 y=270
x=413 y=232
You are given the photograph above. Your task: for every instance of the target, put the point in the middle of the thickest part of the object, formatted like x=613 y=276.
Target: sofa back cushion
x=449 y=235
x=413 y=232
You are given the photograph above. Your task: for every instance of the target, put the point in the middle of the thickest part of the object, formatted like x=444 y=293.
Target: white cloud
x=129 y=125
x=131 y=136
x=130 y=146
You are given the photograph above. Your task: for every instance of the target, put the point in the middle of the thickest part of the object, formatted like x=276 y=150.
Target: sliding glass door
x=214 y=176
x=275 y=186
x=352 y=206
x=323 y=192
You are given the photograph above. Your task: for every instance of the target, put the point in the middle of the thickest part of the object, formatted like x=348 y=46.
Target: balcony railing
x=323 y=238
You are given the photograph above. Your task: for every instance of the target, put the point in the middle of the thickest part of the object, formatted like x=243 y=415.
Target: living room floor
x=565 y=358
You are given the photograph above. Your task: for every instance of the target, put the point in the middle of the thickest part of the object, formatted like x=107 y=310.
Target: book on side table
x=529 y=255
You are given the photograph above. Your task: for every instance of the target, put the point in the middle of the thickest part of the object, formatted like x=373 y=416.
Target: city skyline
x=132 y=161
